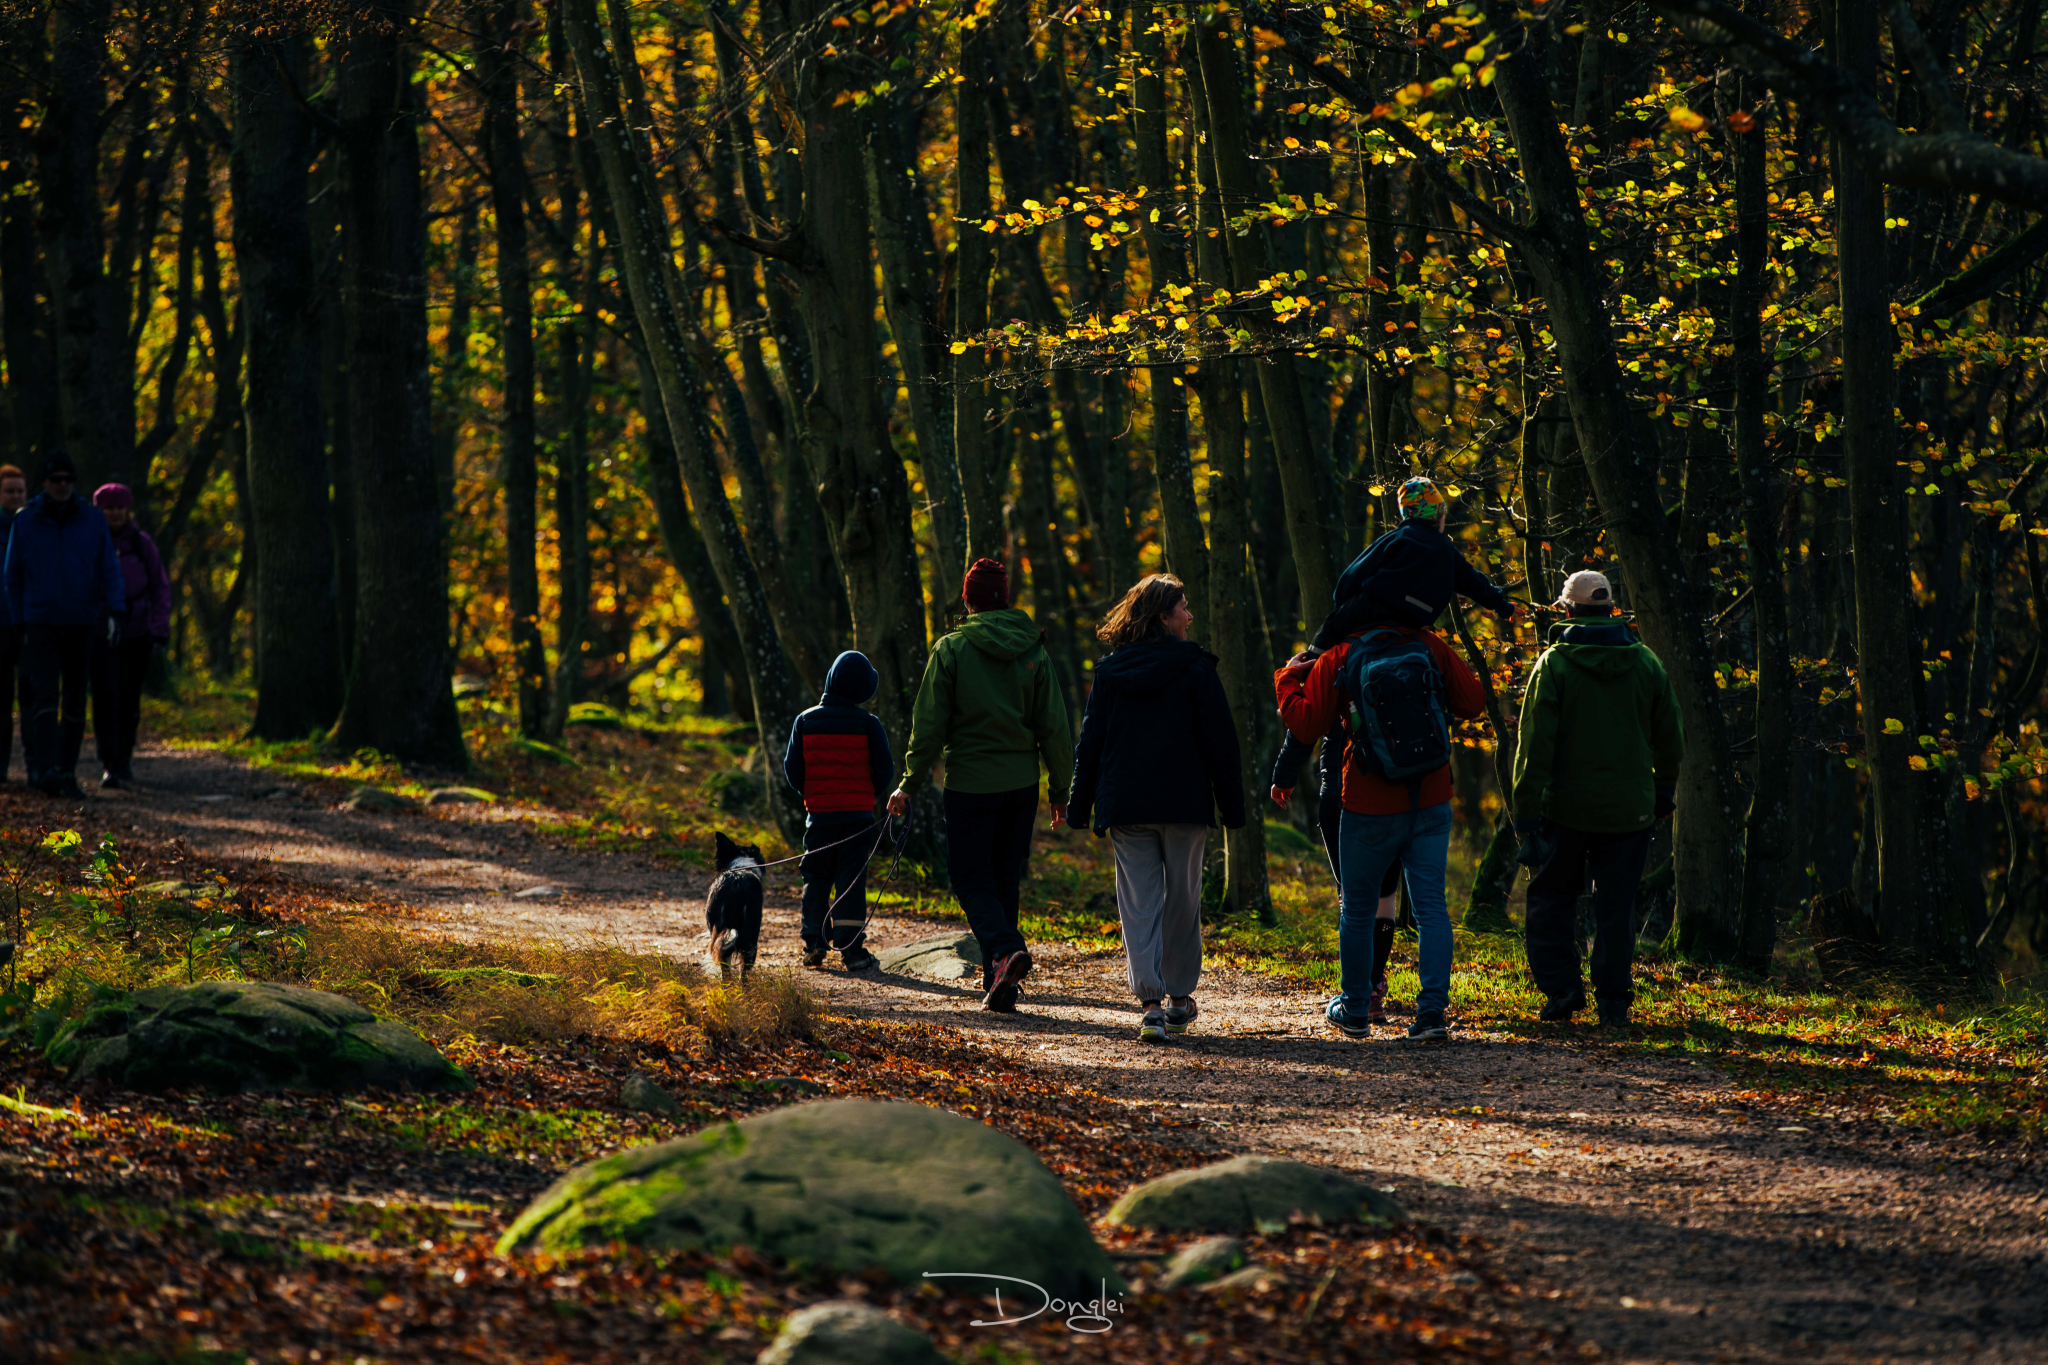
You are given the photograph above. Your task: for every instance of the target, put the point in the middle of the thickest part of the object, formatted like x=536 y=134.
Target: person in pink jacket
x=121 y=649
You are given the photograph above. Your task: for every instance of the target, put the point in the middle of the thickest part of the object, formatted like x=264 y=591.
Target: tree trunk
x=974 y=259
x=32 y=406
x=1180 y=514
x=861 y=484
x=1887 y=652
x=401 y=697
x=903 y=246
x=642 y=244
x=1769 y=828
x=297 y=662
x=575 y=355
x=95 y=386
x=1314 y=513
x=1623 y=470
x=498 y=59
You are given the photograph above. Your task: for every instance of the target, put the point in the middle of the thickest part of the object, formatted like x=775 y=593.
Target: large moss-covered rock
x=248 y=1035
x=1250 y=1194
x=946 y=957
x=846 y=1333
x=845 y=1184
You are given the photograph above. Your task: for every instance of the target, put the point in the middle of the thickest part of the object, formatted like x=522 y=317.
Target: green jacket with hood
x=990 y=703
x=1600 y=732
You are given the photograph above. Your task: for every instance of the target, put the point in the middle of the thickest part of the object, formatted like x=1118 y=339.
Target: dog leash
x=832 y=910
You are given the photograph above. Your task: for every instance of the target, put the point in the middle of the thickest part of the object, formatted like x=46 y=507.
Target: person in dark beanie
x=1158 y=757
x=121 y=662
x=63 y=586
x=1596 y=768
x=13 y=497
x=989 y=703
x=838 y=758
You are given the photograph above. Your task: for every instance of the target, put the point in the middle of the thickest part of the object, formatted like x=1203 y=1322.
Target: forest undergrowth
x=195 y=1228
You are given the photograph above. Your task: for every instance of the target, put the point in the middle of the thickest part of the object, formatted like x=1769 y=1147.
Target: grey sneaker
x=1180 y=1012
x=1152 y=1027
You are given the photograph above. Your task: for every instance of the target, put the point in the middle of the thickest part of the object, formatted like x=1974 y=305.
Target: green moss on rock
x=248 y=1035
x=1252 y=1194
x=848 y=1185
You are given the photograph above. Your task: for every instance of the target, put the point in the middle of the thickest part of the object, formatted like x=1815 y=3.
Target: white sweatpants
x=1159 y=901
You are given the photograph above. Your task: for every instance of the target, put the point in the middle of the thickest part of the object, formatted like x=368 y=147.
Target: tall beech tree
x=298 y=660
x=400 y=698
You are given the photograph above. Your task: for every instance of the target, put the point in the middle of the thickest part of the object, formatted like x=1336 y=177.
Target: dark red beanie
x=987 y=586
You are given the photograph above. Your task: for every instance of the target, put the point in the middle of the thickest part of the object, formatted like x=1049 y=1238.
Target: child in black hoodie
x=839 y=759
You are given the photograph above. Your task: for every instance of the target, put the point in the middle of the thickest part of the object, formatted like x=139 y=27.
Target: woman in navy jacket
x=1158 y=755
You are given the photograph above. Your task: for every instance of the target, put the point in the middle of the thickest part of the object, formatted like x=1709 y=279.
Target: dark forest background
x=649 y=353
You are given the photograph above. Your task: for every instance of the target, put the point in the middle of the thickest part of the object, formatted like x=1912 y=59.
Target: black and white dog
x=732 y=908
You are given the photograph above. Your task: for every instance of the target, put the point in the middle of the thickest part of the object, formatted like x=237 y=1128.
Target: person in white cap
x=1596 y=769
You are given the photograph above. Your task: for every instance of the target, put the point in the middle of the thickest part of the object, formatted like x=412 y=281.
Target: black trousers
x=840 y=874
x=1614 y=864
x=55 y=661
x=117 y=674
x=11 y=681
x=988 y=844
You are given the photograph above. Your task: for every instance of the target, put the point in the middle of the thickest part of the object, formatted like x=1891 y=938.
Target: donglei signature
x=1082 y=1315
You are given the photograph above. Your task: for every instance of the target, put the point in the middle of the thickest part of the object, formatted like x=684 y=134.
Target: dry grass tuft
x=521 y=992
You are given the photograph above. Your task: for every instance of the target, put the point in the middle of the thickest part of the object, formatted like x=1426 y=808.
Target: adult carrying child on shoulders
x=1397 y=688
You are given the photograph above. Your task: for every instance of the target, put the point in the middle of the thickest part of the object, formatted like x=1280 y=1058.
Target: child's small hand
x=1280 y=795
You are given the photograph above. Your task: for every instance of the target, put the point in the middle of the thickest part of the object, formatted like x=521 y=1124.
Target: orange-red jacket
x=1311 y=698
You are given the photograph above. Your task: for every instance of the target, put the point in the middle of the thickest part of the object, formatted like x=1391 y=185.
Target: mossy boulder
x=248 y=1035
x=848 y=1185
x=847 y=1333
x=642 y=1092
x=1200 y=1262
x=460 y=796
x=379 y=800
x=1252 y=1194
x=945 y=957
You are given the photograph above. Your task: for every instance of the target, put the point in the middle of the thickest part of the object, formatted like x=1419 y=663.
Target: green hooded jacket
x=990 y=703
x=1600 y=733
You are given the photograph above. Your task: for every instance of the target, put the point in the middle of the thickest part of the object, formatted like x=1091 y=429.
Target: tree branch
x=1432 y=162
x=1986 y=275
x=1955 y=161
x=788 y=250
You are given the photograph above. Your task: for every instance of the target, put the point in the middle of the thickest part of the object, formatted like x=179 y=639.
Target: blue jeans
x=1369 y=845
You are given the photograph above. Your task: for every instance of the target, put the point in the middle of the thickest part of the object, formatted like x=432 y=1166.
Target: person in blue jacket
x=839 y=759
x=63 y=585
x=13 y=495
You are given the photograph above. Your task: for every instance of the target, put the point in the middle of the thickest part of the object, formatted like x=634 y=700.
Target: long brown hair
x=1136 y=616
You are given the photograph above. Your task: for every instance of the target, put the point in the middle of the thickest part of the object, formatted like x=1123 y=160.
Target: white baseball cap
x=1587 y=589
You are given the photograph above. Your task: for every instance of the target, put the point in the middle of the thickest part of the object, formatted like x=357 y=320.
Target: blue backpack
x=1398 y=724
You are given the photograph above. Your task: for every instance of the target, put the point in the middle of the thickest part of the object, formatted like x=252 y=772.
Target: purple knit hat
x=112 y=495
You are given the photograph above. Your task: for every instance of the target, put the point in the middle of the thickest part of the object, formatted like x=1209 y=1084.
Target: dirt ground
x=1667 y=1220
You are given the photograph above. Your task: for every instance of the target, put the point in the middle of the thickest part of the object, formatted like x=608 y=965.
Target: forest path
x=1674 y=1221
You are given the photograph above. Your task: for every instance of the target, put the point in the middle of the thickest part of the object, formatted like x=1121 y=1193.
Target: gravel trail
x=1664 y=1219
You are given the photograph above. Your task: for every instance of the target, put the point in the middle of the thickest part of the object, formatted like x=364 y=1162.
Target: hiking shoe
x=1376 y=1007
x=1614 y=1016
x=859 y=960
x=1152 y=1026
x=1001 y=1000
x=814 y=954
x=1345 y=1022
x=1002 y=982
x=66 y=786
x=1429 y=1028
x=1559 y=1009
x=111 y=781
x=1179 y=1016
